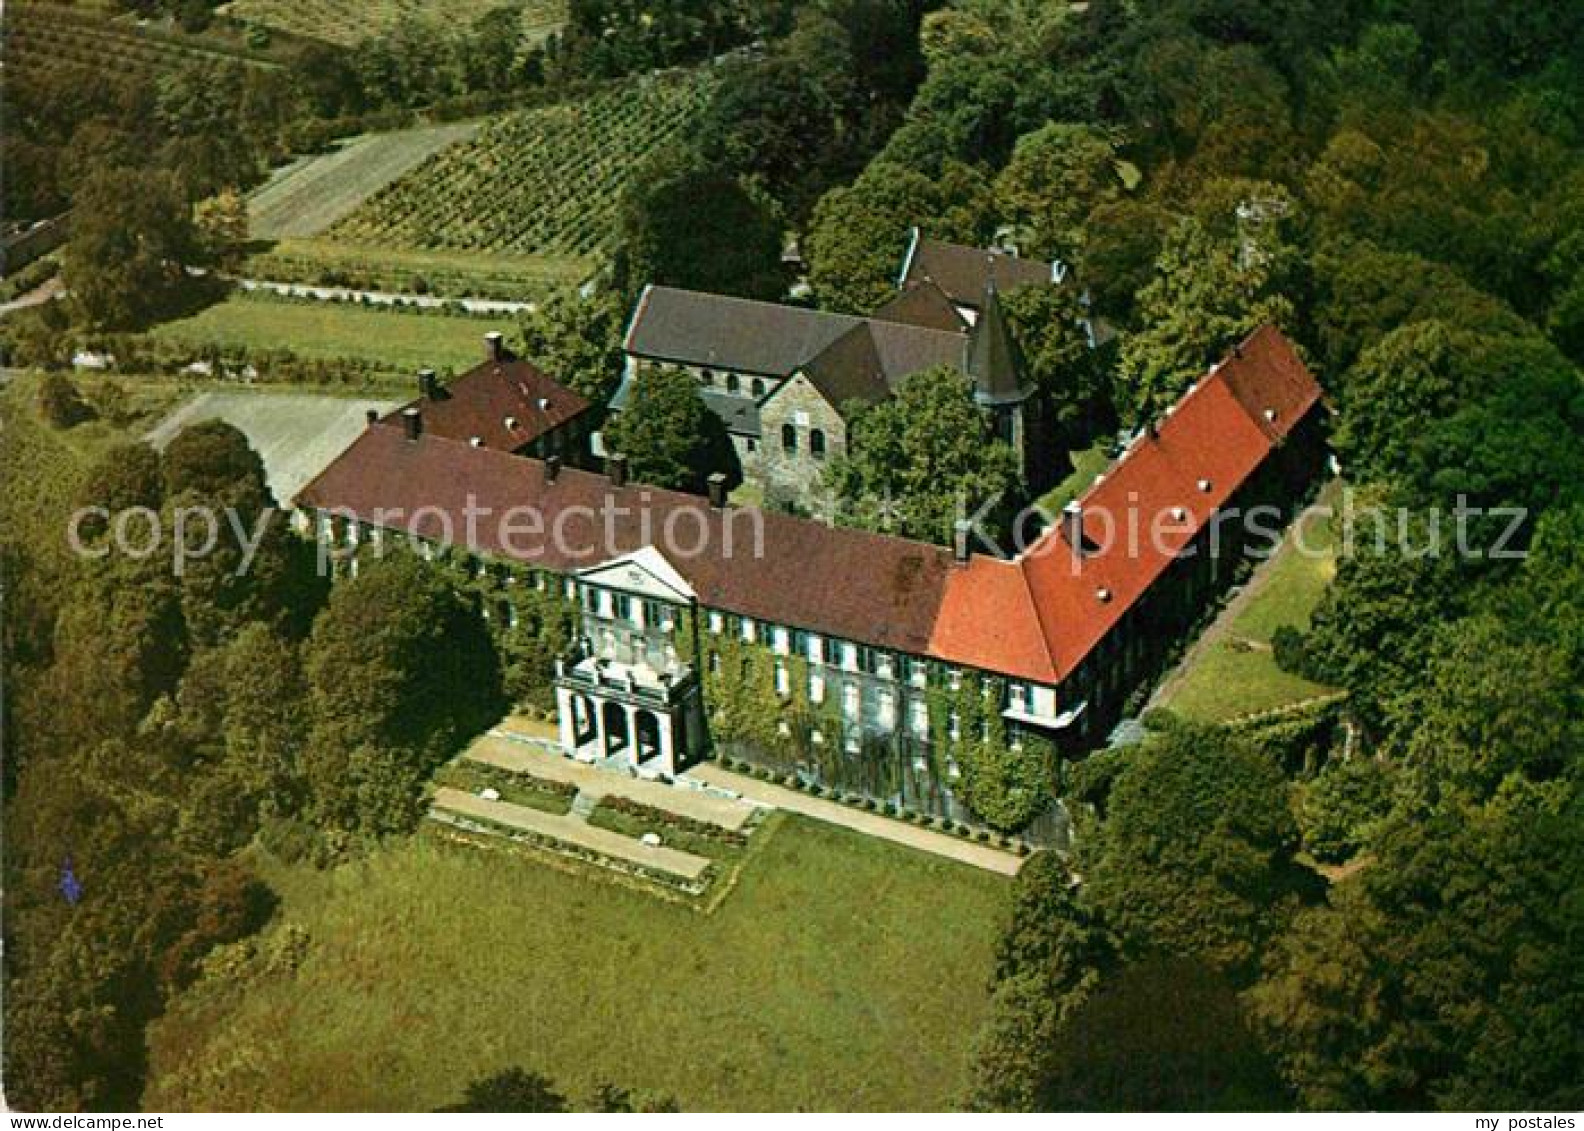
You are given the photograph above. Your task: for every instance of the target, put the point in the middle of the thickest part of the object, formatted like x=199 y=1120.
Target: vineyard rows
x=348 y=22
x=52 y=35
x=543 y=182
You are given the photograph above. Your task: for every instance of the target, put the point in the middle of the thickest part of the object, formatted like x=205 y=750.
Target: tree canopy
x=668 y=434
x=923 y=458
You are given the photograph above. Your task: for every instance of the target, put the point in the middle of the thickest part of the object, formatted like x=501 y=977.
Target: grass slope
x=843 y=972
x=403 y=341
x=1086 y=464
x=307 y=196
x=1236 y=674
x=533 y=182
x=349 y=22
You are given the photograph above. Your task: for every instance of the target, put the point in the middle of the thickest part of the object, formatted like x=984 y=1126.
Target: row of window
x=733 y=384
x=816 y=440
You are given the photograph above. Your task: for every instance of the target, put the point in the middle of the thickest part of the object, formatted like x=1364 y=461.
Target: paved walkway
x=527 y=757
x=572 y=830
x=385 y=298
x=49 y=289
x=872 y=824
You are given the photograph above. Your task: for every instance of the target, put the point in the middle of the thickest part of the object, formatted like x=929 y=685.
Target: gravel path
x=497 y=749
x=572 y=830
x=871 y=824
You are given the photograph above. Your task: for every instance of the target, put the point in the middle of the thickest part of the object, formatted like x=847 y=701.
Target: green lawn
x=1237 y=675
x=1086 y=464
x=402 y=340
x=843 y=972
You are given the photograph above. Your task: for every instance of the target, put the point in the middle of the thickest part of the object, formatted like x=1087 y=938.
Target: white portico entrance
x=624 y=697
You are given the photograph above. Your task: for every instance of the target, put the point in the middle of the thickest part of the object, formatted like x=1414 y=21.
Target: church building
x=787 y=381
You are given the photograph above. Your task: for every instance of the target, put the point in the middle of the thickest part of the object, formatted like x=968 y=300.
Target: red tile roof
x=849 y=583
x=1035 y=617
x=481 y=401
x=1199 y=455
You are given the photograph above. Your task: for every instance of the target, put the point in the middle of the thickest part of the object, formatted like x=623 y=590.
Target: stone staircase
x=583 y=805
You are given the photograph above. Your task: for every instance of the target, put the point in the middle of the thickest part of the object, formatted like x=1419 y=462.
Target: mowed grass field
x=349 y=22
x=842 y=972
x=402 y=341
x=1237 y=674
x=310 y=194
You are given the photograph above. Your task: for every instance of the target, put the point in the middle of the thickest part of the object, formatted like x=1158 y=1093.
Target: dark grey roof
x=849 y=369
x=964 y=273
x=695 y=328
x=739 y=414
x=905 y=350
x=922 y=303
x=992 y=355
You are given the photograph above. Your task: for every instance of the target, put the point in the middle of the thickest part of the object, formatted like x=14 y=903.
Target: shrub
x=61 y=403
x=1289 y=648
x=1341 y=806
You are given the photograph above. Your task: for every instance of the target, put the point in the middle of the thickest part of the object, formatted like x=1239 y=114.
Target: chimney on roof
x=962 y=530
x=413 y=419
x=616 y=469
x=511 y=423
x=1072 y=526
x=495 y=346
x=717 y=489
x=544 y=404
x=552 y=466
x=428 y=385
x=373 y=416
x=475 y=441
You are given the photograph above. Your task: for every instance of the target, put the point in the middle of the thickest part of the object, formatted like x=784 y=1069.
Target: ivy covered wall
x=969 y=769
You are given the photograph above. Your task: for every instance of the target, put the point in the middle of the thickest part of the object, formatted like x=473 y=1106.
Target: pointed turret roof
x=992 y=355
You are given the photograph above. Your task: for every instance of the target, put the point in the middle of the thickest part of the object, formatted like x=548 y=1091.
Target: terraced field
x=348 y=22
x=309 y=195
x=535 y=182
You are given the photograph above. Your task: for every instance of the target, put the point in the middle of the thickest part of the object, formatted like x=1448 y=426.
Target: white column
x=632 y=733
x=667 y=746
x=564 y=717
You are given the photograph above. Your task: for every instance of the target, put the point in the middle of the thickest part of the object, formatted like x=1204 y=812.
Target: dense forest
x=1385 y=913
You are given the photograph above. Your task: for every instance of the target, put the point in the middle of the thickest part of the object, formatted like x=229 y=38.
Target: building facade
x=840 y=655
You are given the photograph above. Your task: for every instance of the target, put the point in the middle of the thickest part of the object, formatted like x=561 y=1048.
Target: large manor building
x=861 y=626
x=787 y=381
